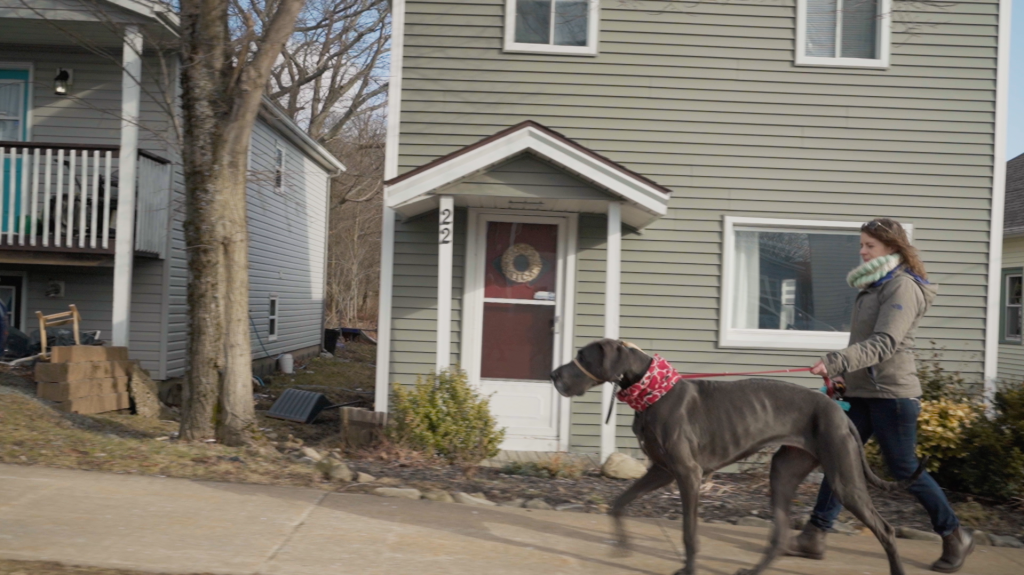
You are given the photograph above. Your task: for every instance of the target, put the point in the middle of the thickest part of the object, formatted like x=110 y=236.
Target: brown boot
x=955 y=548
x=810 y=543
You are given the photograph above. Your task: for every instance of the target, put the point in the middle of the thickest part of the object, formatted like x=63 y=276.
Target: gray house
x=690 y=176
x=92 y=204
x=1011 y=349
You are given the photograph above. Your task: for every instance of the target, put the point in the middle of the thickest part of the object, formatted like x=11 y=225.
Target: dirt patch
x=50 y=568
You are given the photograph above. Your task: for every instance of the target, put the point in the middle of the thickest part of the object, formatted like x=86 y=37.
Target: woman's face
x=871 y=248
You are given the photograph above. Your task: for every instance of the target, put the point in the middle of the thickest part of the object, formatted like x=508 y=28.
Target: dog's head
x=600 y=361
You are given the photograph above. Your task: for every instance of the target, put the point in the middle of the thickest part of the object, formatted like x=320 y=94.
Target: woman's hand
x=819 y=369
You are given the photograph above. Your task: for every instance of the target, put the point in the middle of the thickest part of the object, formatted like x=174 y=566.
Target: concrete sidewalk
x=181 y=526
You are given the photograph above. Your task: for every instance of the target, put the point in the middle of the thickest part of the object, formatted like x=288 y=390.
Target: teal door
x=13 y=128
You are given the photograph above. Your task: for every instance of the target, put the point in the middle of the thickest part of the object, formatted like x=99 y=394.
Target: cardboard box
x=96 y=403
x=79 y=353
x=65 y=372
x=64 y=391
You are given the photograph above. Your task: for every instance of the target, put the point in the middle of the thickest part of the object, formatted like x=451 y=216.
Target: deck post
x=611 y=318
x=124 y=246
x=445 y=243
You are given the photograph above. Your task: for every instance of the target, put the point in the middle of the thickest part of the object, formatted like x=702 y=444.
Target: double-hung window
x=844 y=33
x=551 y=26
x=1011 y=320
x=272 y=318
x=784 y=283
x=280 y=164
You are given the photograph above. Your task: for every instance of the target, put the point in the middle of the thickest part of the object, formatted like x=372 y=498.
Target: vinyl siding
x=705 y=100
x=1011 y=357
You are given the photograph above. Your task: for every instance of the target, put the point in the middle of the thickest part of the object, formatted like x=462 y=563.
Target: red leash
x=830 y=388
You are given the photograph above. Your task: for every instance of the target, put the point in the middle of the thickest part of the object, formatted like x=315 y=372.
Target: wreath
x=533 y=267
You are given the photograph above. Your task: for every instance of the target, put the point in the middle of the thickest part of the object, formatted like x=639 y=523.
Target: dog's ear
x=611 y=358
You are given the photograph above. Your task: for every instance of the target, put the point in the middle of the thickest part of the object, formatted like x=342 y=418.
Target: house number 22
x=445 y=225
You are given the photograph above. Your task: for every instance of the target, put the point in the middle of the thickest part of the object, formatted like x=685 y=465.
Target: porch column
x=611 y=317
x=124 y=246
x=446 y=230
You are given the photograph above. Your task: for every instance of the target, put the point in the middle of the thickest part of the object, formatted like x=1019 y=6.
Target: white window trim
x=729 y=337
x=281 y=165
x=276 y=317
x=883 y=39
x=593 y=26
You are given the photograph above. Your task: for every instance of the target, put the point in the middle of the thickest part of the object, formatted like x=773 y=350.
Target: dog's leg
x=790 y=466
x=655 y=478
x=689 y=492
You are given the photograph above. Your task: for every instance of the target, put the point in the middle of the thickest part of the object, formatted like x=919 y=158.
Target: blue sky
x=1015 y=132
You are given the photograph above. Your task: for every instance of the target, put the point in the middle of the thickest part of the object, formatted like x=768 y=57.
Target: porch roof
x=417 y=191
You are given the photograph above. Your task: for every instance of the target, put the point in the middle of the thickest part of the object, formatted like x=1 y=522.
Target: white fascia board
x=530 y=139
x=297 y=136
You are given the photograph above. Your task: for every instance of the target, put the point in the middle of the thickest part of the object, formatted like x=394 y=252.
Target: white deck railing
x=65 y=197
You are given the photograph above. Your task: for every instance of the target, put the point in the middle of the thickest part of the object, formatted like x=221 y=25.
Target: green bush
x=443 y=415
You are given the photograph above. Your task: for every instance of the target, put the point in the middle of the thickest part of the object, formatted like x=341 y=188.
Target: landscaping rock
x=1006 y=541
x=364 y=478
x=844 y=528
x=388 y=481
x=467 y=499
x=440 y=496
x=311 y=453
x=798 y=523
x=569 y=507
x=326 y=355
x=538 y=504
x=518 y=502
x=917 y=534
x=622 y=466
x=334 y=470
x=396 y=492
x=982 y=538
x=143 y=392
x=753 y=522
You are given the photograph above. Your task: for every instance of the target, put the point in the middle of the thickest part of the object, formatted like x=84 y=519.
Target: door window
x=13 y=108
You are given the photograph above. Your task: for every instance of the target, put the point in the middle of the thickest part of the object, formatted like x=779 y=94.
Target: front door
x=519 y=267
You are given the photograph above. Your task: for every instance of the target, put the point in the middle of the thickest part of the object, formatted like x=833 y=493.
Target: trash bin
x=331 y=337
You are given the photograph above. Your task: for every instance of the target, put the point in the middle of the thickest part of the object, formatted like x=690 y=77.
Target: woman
x=880 y=375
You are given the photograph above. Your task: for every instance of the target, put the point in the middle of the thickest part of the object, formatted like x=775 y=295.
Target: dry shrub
x=557 y=466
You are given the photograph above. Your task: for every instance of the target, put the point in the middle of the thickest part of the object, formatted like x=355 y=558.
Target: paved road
x=182 y=526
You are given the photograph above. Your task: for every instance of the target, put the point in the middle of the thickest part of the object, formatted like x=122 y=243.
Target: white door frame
x=565 y=308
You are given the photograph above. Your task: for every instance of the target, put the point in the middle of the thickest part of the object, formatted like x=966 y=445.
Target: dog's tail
x=877 y=481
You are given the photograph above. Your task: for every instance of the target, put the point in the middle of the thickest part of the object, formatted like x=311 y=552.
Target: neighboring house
x=689 y=176
x=1011 y=349
x=93 y=207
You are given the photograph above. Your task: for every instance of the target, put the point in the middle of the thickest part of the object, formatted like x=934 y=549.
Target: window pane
x=571 y=22
x=1013 y=323
x=10 y=130
x=517 y=341
x=1013 y=290
x=860 y=24
x=272 y=327
x=521 y=260
x=821 y=28
x=273 y=307
x=533 y=21
x=793 y=280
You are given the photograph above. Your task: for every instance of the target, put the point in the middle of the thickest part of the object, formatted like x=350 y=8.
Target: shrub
x=937 y=383
x=443 y=415
x=556 y=466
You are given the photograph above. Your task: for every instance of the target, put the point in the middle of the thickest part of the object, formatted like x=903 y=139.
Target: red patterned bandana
x=659 y=379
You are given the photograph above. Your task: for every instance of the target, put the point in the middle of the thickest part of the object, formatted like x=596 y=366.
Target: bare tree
x=223 y=78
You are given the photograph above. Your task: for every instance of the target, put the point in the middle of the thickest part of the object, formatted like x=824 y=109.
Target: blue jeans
x=893 y=422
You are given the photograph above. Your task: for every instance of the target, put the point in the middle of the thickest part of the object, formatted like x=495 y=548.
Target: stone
x=517 y=502
x=1006 y=541
x=917 y=534
x=467 y=499
x=311 y=453
x=752 y=521
x=334 y=470
x=844 y=528
x=569 y=507
x=96 y=403
x=326 y=355
x=172 y=414
x=389 y=481
x=982 y=538
x=718 y=522
x=61 y=372
x=798 y=523
x=538 y=504
x=79 y=353
x=397 y=492
x=439 y=495
x=364 y=478
x=144 y=393
x=622 y=466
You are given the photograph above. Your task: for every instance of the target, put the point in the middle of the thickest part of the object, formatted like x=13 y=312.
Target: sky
x=1015 y=130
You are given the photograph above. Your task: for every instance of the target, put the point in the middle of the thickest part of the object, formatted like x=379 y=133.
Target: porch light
x=62 y=81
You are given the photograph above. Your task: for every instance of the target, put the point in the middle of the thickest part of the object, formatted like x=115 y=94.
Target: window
x=846 y=33
x=784 y=283
x=551 y=26
x=280 y=162
x=14 y=96
x=272 y=320
x=1010 y=328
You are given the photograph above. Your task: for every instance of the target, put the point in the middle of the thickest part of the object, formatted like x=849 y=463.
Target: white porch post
x=611 y=317
x=124 y=247
x=445 y=241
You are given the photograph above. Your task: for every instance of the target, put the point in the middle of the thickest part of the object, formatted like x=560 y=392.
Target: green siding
x=1011 y=356
x=704 y=98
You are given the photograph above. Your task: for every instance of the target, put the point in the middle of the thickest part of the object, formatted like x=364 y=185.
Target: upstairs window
x=272 y=319
x=844 y=33
x=551 y=26
x=1011 y=317
x=280 y=161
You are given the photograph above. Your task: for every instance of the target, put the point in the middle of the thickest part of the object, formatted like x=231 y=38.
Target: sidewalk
x=181 y=526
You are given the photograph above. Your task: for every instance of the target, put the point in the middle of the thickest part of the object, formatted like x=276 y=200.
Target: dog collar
x=660 y=378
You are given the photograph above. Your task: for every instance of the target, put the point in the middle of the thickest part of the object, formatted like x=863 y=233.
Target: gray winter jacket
x=879 y=361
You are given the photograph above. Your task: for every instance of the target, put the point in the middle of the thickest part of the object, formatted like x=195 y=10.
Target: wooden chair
x=52 y=320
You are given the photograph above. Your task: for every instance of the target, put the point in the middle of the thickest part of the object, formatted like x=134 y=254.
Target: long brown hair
x=891 y=233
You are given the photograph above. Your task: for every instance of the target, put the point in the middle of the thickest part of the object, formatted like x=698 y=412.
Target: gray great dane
x=700 y=426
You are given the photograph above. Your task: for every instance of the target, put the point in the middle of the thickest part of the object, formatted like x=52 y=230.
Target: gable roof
x=1013 y=212
x=644 y=200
